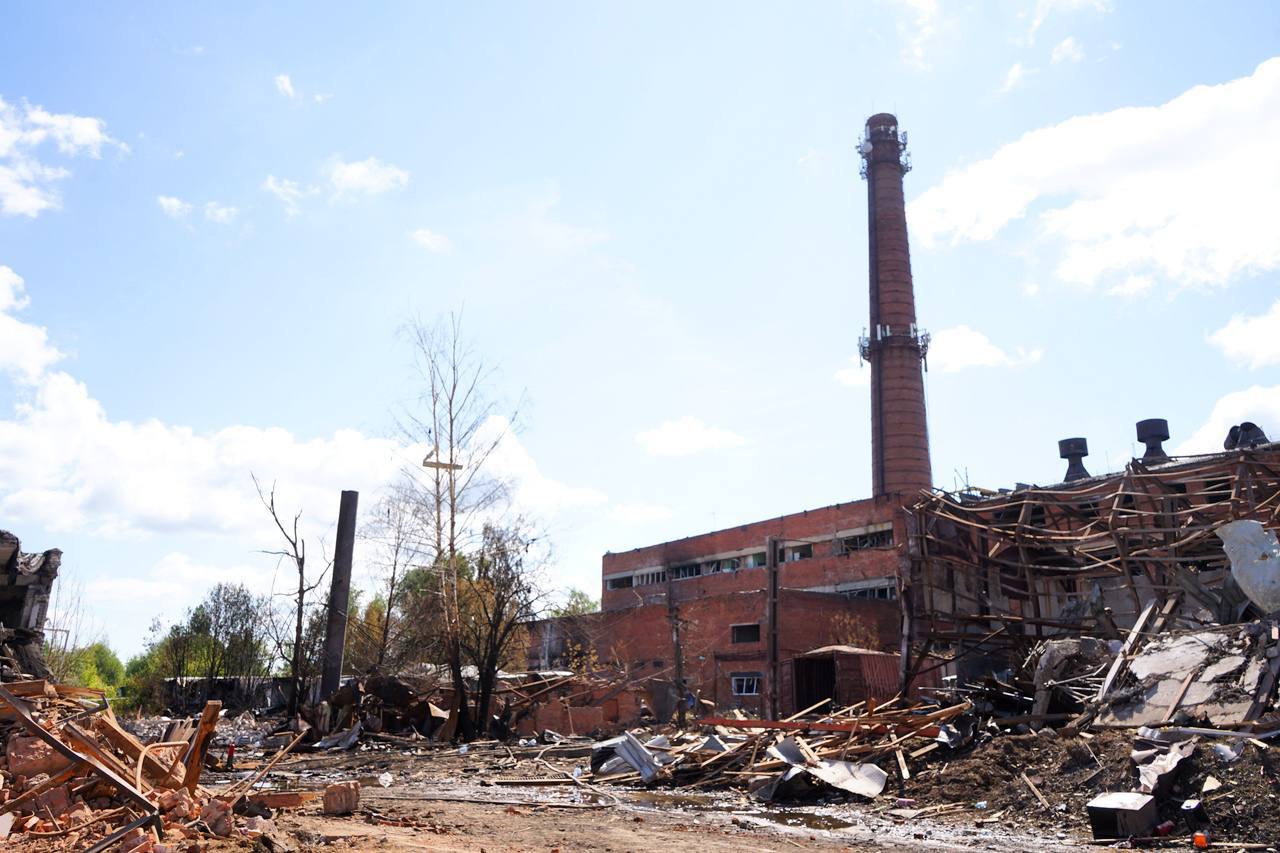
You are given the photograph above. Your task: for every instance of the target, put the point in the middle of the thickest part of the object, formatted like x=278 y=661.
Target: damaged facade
x=26 y=582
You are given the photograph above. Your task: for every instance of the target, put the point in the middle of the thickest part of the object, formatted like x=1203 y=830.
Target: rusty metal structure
x=990 y=574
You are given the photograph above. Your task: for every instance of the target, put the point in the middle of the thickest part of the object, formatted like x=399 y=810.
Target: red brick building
x=719 y=613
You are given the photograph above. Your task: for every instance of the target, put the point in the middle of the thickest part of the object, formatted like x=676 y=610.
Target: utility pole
x=335 y=635
x=771 y=571
x=673 y=616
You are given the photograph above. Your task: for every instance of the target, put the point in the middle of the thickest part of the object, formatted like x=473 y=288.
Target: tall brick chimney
x=893 y=345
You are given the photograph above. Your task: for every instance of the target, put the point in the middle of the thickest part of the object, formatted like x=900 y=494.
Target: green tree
x=578 y=603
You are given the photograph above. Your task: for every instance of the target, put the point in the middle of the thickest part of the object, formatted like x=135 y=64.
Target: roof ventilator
x=1074 y=450
x=1153 y=432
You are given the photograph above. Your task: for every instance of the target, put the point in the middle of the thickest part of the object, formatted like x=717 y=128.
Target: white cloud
x=67 y=465
x=639 y=513
x=540 y=228
x=952 y=350
x=1251 y=340
x=686 y=436
x=365 y=177
x=856 y=374
x=177 y=580
x=26 y=181
x=1044 y=8
x=1013 y=77
x=1136 y=191
x=221 y=214
x=25 y=351
x=320 y=98
x=534 y=492
x=285 y=86
x=173 y=207
x=288 y=192
x=1132 y=287
x=1258 y=404
x=918 y=30
x=1067 y=50
x=431 y=241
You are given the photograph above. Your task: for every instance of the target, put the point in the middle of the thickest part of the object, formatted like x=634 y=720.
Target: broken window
x=883 y=592
x=756 y=561
x=647 y=578
x=689 y=571
x=745 y=633
x=799 y=552
x=619 y=583
x=745 y=683
x=865 y=541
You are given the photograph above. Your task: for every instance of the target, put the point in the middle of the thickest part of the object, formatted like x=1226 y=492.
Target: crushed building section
x=990 y=575
x=26 y=583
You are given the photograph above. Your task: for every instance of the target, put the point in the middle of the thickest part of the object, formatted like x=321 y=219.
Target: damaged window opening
x=682 y=572
x=649 y=578
x=745 y=683
x=757 y=560
x=799 y=552
x=745 y=633
x=866 y=541
x=620 y=583
x=883 y=593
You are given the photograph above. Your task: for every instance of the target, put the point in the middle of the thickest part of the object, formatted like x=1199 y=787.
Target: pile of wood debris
x=791 y=758
x=73 y=774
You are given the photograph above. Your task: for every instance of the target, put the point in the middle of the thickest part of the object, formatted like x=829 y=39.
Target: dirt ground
x=439 y=800
x=434 y=798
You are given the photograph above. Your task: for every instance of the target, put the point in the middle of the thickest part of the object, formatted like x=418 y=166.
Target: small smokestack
x=1153 y=432
x=1074 y=450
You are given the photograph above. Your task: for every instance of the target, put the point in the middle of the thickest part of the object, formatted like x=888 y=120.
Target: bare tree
x=397 y=528
x=292 y=649
x=68 y=630
x=462 y=428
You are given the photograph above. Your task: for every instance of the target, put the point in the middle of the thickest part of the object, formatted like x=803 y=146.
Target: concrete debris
x=1254 y=553
x=26 y=584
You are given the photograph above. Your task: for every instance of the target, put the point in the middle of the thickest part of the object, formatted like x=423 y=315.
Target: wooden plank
x=1035 y=790
x=1177 y=699
x=1130 y=642
x=194 y=761
x=35 y=687
x=109 y=727
x=284 y=799
x=902 y=765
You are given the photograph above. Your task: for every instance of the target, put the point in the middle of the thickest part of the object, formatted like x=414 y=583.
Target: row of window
x=786 y=554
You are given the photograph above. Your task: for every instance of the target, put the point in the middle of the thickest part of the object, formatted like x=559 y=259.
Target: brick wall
x=817 y=528
x=640 y=638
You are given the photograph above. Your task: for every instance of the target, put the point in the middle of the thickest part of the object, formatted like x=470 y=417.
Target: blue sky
x=212 y=226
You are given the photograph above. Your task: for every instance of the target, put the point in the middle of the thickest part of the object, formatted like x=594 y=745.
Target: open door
x=815 y=680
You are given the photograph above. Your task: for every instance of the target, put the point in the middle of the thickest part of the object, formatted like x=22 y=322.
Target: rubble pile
x=73 y=774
